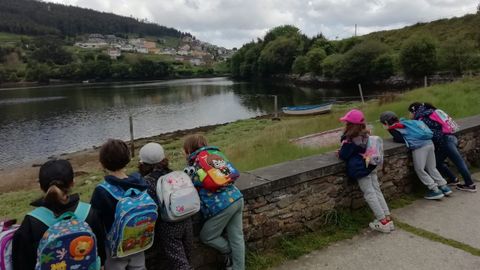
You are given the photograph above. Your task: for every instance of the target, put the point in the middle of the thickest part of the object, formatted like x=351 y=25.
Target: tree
x=281 y=31
x=366 y=62
x=278 y=56
x=331 y=65
x=300 y=65
x=418 y=57
x=457 y=55
x=314 y=60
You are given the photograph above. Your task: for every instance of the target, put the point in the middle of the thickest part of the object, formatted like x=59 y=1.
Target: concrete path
x=456 y=218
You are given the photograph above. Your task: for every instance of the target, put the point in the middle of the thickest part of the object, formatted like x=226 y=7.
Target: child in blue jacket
x=354 y=144
x=423 y=153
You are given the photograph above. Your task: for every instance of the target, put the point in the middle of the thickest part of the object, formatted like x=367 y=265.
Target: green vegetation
x=42 y=18
x=453 y=46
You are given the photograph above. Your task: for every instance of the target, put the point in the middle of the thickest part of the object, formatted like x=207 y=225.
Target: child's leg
x=366 y=186
x=187 y=240
x=431 y=167
x=115 y=263
x=171 y=244
x=135 y=262
x=420 y=156
x=378 y=192
x=211 y=233
x=440 y=157
x=235 y=238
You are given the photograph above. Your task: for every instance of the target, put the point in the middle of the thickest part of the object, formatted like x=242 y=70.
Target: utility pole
x=355 y=30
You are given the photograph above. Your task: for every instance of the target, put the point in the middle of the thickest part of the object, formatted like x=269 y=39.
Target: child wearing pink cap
x=354 y=144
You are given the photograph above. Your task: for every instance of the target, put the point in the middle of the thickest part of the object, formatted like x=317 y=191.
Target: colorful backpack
x=133 y=227
x=178 y=198
x=213 y=168
x=7 y=229
x=415 y=133
x=448 y=125
x=374 y=153
x=68 y=243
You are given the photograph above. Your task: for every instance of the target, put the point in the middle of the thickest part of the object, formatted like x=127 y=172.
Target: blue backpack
x=415 y=133
x=68 y=243
x=133 y=227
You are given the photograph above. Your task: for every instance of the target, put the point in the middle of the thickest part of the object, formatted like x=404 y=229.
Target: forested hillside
x=447 y=45
x=40 y=18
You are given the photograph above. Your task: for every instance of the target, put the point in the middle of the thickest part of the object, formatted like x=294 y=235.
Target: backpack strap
x=45 y=215
x=115 y=191
x=82 y=211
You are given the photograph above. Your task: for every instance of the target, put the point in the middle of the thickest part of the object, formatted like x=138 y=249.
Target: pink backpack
x=7 y=229
x=448 y=125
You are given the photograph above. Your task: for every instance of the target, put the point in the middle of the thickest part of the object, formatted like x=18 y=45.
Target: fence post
x=361 y=92
x=425 y=82
x=275 y=105
x=132 y=144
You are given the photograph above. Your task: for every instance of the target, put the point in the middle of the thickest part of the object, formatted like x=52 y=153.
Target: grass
x=6 y=38
x=343 y=226
x=437 y=238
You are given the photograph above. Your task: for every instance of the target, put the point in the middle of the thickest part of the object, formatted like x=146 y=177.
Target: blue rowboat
x=308 y=109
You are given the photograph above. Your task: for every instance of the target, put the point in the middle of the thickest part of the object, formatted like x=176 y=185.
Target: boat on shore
x=308 y=109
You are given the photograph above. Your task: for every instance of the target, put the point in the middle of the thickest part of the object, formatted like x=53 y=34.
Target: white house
x=114 y=53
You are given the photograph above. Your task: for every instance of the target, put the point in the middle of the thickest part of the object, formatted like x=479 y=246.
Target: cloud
x=231 y=23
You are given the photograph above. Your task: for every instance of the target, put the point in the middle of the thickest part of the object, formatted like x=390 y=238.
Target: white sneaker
x=378 y=226
x=392 y=226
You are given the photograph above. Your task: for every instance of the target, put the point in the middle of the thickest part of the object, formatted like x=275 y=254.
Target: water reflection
x=39 y=122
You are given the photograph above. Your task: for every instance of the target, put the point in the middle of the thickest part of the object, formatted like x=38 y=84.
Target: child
x=445 y=146
x=56 y=180
x=114 y=156
x=175 y=238
x=222 y=209
x=423 y=153
x=354 y=144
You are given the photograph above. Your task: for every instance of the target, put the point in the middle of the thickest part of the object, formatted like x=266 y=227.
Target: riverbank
x=252 y=143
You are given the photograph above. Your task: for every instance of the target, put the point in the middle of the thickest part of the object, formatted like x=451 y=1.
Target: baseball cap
x=151 y=153
x=354 y=116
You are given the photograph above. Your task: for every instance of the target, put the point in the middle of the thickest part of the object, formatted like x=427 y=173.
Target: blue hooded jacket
x=105 y=203
x=351 y=152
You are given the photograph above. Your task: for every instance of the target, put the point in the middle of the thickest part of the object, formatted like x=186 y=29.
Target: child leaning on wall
x=354 y=144
x=222 y=210
x=418 y=136
x=175 y=239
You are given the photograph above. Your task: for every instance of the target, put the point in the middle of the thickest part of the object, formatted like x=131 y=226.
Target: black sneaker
x=469 y=188
x=227 y=261
x=454 y=182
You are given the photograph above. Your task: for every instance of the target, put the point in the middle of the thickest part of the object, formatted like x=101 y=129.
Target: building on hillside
x=196 y=53
x=184 y=47
x=114 y=53
x=180 y=58
x=168 y=51
x=141 y=49
x=197 y=62
x=127 y=48
x=183 y=52
x=154 y=50
x=187 y=39
x=91 y=45
x=149 y=44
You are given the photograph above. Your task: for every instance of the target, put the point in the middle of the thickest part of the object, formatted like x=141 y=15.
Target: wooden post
x=275 y=105
x=361 y=93
x=132 y=144
x=425 y=82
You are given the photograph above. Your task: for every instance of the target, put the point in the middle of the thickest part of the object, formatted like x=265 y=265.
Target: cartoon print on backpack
x=219 y=163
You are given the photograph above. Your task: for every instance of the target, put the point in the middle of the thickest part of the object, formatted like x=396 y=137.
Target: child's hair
x=193 y=143
x=114 y=155
x=145 y=168
x=56 y=180
x=388 y=118
x=355 y=130
x=416 y=105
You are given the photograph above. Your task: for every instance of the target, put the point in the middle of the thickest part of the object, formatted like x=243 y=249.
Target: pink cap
x=354 y=116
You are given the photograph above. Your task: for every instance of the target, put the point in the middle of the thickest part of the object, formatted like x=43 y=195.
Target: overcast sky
x=231 y=23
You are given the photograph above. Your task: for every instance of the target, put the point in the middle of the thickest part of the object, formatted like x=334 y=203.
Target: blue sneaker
x=445 y=190
x=434 y=195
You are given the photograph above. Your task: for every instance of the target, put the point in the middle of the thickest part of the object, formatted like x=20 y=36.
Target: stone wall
x=289 y=198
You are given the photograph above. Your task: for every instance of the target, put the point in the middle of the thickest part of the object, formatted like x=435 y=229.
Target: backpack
x=133 y=227
x=68 y=243
x=178 y=198
x=415 y=133
x=374 y=153
x=213 y=168
x=7 y=229
x=448 y=125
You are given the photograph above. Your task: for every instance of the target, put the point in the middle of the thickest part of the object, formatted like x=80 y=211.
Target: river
x=39 y=122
